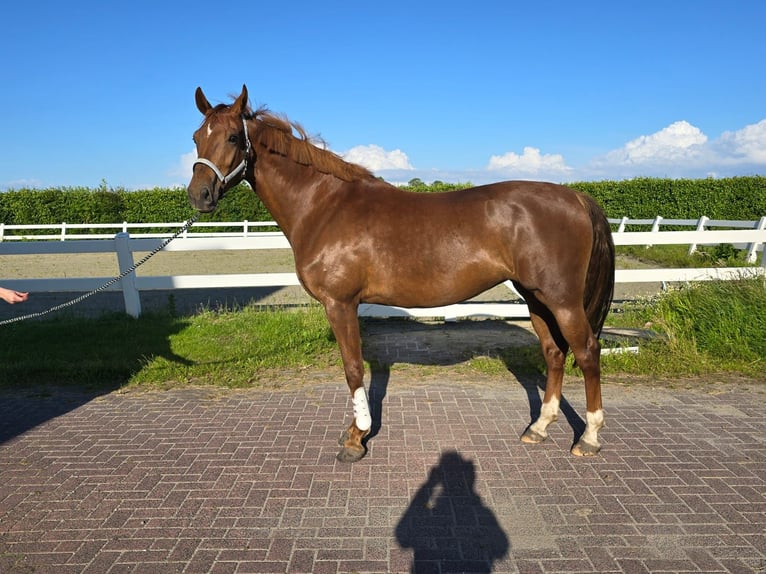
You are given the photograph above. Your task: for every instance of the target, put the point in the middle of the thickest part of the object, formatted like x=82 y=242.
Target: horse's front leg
x=345 y=325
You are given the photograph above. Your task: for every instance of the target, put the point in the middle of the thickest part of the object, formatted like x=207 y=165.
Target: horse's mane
x=281 y=136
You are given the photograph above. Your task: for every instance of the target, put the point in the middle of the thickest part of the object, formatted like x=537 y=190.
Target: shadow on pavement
x=76 y=363
x=392 y=341
x=22 y=409
x=447 y=524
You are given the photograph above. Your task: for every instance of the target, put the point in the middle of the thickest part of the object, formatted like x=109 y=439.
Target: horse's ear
x=240 y=103
x=202 y=104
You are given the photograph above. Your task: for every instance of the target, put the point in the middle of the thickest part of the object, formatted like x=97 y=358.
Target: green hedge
x=82 y=205
x=741 y=198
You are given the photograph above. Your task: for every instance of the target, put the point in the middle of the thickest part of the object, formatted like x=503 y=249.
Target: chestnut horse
x=358 y=239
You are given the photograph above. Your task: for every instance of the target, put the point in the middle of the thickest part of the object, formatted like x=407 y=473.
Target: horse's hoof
x=532 y=437
x=585 y=449
x=351 y=454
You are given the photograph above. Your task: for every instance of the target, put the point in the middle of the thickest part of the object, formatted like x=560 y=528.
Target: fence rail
x=704 y=223
x=753 y=238
x=73 y=231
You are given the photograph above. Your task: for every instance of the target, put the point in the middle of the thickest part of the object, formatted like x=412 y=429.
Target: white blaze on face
x=209 y=130
x=361 y=410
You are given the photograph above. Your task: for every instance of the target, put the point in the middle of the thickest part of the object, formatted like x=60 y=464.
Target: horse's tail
x=599 y=283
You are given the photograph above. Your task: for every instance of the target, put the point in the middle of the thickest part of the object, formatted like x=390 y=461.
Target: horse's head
x=223 y=150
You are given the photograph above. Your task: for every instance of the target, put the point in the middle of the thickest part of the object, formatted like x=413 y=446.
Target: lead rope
x=109 y=283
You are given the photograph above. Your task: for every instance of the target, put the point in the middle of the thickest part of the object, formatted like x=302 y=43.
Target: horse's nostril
x=204 y=200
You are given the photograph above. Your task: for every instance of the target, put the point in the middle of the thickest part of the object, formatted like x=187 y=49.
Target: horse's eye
x=233 y=139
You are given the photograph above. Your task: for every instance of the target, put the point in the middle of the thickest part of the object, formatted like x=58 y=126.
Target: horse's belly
x=428 y=290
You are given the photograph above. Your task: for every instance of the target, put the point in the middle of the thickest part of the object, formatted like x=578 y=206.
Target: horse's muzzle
x=203 y=199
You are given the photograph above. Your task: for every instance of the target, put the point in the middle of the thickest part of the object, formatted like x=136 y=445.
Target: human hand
x=11 y=296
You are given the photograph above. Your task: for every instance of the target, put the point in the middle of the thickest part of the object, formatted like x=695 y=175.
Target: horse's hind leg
x=345 y=325
x=558 y=331
x=587 y=351
x=555 y=351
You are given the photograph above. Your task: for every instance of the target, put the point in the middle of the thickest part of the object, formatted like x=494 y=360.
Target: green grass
x=232 y=349
x=677 y=256
x=705 y=328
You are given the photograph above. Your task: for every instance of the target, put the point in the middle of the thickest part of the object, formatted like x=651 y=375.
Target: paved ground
x=211 y=481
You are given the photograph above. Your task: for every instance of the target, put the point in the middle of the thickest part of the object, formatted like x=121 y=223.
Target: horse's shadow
x=392 y=341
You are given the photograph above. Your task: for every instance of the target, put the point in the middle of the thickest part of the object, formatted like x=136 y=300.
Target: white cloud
x=679 y=150
x=683 y=150
x=747 y=145
x=530 y=163
x=30 y=183
x=183 y=168
x=680 y=141
x=375 y=158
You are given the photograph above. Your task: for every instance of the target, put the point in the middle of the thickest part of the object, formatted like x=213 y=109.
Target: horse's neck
x=290 y=198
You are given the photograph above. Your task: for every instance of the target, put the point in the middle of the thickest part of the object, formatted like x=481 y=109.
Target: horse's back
x=510 y=214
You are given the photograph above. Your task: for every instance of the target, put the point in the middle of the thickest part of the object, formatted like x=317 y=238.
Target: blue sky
x=480 y=91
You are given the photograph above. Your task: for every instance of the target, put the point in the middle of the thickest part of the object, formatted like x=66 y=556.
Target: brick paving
x=240 y=481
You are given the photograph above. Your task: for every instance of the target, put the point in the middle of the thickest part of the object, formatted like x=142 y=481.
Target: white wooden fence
x=752 y=238
x=701 y=224
x=69 y=231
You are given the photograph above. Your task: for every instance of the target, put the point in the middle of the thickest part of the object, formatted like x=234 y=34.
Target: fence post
x=2 y=231
x=125 y=260
x=623 y=223
x=752 y=252
x=244 y=228
x=63 y=231
x=655 y=227
x=701 y=223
